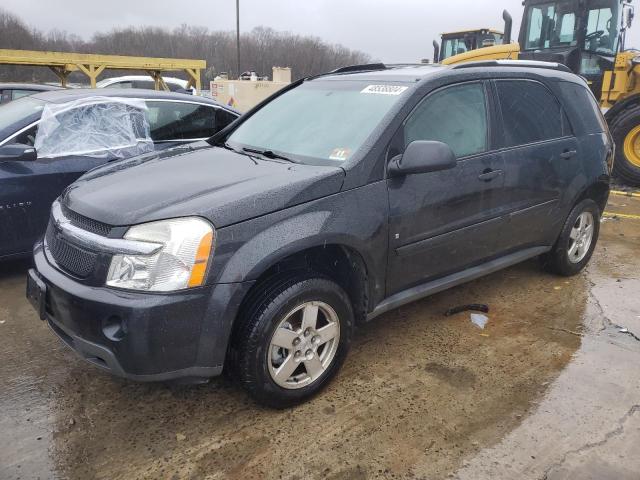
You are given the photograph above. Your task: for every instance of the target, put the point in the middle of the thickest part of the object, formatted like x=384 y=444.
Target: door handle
x=567 y=154
x=489 y=175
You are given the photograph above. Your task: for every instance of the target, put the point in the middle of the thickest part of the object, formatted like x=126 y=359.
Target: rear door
x=443 y=222
x=540 y=157
x=176 y=122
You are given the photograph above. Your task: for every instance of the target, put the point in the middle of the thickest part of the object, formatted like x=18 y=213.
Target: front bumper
x=141 y=336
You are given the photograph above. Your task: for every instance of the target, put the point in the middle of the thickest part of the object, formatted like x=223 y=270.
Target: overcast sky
x=389 y=30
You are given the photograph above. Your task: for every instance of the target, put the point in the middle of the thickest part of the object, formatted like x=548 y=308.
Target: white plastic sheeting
x=104 y=127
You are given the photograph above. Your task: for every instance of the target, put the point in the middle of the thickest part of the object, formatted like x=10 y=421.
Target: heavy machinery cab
x=588 y=37
x=465 y=41
x=584 y=35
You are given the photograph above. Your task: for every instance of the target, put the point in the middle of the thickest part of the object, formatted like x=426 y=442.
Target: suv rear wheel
x=576 y=243
x=292 y=340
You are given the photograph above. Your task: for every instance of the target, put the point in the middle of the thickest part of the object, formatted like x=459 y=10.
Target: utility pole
x=238 y=36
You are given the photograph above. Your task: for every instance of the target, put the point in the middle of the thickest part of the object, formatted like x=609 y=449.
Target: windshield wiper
x=239 y=152
x=227 y=147
x=268 y=154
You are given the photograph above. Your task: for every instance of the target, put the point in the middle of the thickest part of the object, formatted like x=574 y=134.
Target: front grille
x=85 y=223
x=69 y=257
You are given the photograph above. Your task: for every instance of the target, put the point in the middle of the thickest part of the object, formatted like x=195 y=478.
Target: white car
x=144 y=81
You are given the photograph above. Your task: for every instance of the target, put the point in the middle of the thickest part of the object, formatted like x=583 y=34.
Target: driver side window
x=456 y=116
x=28 y=137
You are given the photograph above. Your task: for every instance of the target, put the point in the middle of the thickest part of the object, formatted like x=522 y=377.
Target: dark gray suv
x=340 y=198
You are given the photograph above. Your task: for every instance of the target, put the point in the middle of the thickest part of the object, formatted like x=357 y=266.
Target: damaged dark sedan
x=49 y=139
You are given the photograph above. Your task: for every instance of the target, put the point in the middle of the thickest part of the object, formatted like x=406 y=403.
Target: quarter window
x=145 y=84
x=224 y=118
x=530 y=112
x=180 y=121
x=120 y=85
x=456 y=116
x=28 y=137
x=16 y=94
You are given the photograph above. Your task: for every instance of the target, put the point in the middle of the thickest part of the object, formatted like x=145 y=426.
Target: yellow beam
x=194 y=78
x=92 y=66
x=62 y=73
x=34 y=58
x=91 y=71
x=159 y=81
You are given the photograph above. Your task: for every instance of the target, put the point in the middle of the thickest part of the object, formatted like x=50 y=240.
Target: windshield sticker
x=340 y=154
x=385 y=89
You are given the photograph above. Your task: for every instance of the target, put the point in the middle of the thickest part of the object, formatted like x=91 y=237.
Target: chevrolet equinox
x=336 y=200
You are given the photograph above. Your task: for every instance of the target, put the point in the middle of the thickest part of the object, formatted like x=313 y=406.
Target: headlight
x=181 y=262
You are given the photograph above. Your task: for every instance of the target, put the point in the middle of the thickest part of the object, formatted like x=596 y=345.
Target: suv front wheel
x=293 y=337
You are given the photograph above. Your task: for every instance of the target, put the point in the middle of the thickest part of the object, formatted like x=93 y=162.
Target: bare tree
x=262 y=48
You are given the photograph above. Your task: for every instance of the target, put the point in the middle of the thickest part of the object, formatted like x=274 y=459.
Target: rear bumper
x=142 y=336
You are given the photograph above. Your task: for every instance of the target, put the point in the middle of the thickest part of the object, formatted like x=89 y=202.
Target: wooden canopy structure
x=62 y=64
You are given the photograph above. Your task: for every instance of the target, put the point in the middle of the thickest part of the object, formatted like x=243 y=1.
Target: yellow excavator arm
x=497 y=52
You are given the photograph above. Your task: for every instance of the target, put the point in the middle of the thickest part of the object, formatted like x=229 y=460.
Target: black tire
x=258 y=321
x=557 y=260
x=620 y=127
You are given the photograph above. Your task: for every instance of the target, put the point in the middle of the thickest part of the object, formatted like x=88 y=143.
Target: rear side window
x=456 y=116
x=180 y=121
x=121 y=85
x=530 y=112
x=16 y=94
x=583 y=106
x=146 y=84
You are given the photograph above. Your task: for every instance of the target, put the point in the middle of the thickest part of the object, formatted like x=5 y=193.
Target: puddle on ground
x=419 y=395
x=417 y=385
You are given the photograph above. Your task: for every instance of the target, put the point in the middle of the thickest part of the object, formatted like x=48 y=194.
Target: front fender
x=356 y=219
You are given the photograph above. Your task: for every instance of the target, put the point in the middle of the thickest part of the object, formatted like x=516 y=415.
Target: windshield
x=19 y=110
x=456 y=46
x=470 y=41
x=319 y=122
x=556 y=24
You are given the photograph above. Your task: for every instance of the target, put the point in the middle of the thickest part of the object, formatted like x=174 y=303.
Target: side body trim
x=444 y=283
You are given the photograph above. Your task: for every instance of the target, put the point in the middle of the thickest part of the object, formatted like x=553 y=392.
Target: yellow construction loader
x=588 y=36
x=456 y=43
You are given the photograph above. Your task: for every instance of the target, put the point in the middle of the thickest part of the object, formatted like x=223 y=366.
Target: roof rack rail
x=514 y=63
x=403 y=65
x=367 y=67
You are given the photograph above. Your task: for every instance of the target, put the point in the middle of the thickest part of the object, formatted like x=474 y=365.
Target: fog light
x=114 y=328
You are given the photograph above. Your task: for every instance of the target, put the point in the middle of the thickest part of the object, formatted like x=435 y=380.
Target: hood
x=223 y=186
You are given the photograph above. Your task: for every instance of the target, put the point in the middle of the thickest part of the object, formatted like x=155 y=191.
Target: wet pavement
x=548 y=390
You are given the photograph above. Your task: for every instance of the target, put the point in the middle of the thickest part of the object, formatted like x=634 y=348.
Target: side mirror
x=19 y=152
x=423 y=157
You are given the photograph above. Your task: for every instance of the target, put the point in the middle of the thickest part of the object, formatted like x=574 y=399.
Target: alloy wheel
x=581 y=237
x=303 y=345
